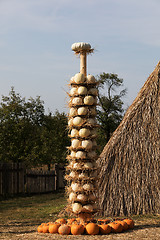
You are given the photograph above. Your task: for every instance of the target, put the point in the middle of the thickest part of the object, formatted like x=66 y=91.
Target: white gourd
x=77 y=166
x=73 y=112
x=76 y=207
x=91 y=121
x=73 y=91
x=72 y=196
x=93 y=111
x=73 y=154
x=74 y=133
x=89 y=100
x=77 y=121
x=79 y=78
x=87 y=144
x=80 y=155
x=72 y=80
x=92 y=154
x=80 y=46
x=77 y=101
x=94 y=133
x=88 y=187
x=92 y=197
x=82 y=90
x=88 y=208
x=91 y=79
x=93 y=91
x=70 y=122
x=72 y=174
x=75 y=187
x=88 y=165
x=82 y=111
x=76 y=143
x=82 y=175
x=81 y=197
x=84 y=132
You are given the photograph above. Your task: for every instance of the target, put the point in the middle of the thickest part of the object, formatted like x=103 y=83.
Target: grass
x=43 y=207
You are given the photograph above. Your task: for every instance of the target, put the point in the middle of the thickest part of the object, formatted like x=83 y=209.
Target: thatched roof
x=130 y=162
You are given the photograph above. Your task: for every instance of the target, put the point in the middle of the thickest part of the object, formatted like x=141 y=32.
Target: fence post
x=56 y=177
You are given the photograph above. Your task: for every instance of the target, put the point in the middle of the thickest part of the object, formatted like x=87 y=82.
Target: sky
x=36 y=38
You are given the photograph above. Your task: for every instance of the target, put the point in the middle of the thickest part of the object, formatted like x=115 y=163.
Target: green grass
x=43 y=207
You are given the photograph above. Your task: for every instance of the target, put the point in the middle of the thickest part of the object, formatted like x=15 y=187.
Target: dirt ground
x=27 y=230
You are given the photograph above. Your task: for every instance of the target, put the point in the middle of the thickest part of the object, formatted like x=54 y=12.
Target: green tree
x=110 y=111
x=55 y=138
x=28 y=135
x=20 y=124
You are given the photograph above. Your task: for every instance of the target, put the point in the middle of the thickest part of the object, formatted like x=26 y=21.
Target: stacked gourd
x=82 y=158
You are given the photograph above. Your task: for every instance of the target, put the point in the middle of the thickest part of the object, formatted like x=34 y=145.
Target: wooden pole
x=83 y=63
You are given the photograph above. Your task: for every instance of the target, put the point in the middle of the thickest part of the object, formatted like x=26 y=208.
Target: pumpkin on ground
x=64 y=229
x=115 y=227
x=92 y=229
x=104 y=229
x=45 y=228
x=40 y=229
x=61 y=221
x=123 y=223
x=129 y=222
x=77 y=229
x=53 y=227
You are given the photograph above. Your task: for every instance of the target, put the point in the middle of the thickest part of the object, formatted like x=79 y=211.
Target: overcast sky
x=36 y=38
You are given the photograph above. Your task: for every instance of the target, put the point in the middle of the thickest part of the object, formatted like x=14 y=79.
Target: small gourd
x=91 y=79
x=89 y=100
x=79 y=78
x=82 y=90
x=82 y=111
x=76 y=143
x=76 y=207
x=77 y=121
x=84 y=132
x=77 y=101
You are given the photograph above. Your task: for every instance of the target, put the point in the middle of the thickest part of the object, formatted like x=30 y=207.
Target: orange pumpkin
x=129 y=222
x=123 y=223
x=115 y=227
x=104 y=229
x=53 y=227
x=61 y=221
x=45 y=228
x=40 y=229
x=70 y=221
x=77 y=229
x=92 y=229
x=64 y=229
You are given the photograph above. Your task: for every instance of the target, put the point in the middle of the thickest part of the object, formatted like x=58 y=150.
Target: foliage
x=110 y=111
x=27 y=134
x=55 y=137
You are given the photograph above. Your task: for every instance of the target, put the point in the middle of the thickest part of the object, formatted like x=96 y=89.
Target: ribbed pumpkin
x=129 y=222
x=115 y=227
x=64 y=229
x=104 y=228
x=53 y=227
x=92 y=229
x=77 y=229
x=61 y=221
x=123 y=223
x=40 y=229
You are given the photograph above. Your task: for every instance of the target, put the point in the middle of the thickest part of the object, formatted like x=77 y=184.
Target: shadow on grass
x=144 y=226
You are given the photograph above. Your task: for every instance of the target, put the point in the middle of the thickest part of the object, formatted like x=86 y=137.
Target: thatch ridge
x=130 y=162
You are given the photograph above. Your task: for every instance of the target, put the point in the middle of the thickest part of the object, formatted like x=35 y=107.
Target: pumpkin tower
x=81 y=172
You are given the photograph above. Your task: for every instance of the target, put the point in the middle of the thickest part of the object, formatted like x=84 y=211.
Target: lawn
x=20 y=216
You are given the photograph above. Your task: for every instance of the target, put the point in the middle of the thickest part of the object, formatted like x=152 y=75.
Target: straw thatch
x=130 y=162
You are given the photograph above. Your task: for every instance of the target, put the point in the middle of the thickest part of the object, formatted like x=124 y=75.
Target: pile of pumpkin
x=74 y=227
x=81 y=171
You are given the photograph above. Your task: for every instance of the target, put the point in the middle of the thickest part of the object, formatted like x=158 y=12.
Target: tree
x=110 y=110
x=55 y=138
x=20 y=123
x=28 y=135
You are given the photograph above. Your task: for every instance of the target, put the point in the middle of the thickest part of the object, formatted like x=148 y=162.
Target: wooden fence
x=14 y=179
